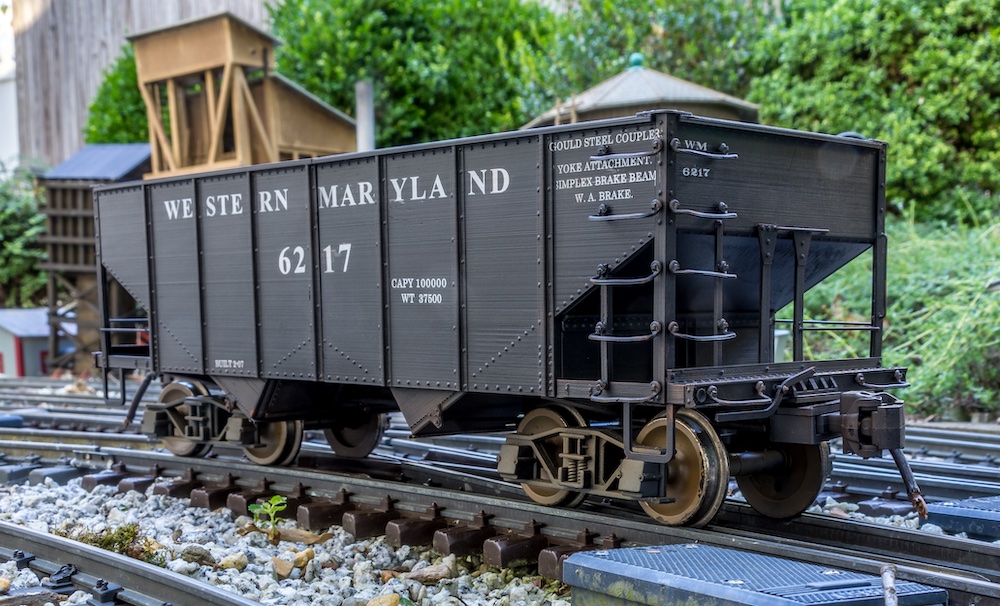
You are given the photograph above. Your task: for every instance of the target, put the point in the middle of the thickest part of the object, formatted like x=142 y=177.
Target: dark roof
x=642 y=88
x=103 y=162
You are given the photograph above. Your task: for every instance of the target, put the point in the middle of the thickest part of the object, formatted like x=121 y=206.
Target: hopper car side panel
x=176 y=280
x=348 y=200
x=792 y=179
x=228 y=296
x=122 y=243
x=503 y=267
x=286 y=261
x=422 y=264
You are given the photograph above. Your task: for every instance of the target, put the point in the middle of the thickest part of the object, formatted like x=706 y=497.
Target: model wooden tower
x=213 y=100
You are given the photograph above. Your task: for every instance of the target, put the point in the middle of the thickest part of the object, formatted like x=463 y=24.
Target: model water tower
x=214 y=101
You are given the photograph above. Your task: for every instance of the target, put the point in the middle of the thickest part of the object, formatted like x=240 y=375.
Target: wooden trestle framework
x=213 y=100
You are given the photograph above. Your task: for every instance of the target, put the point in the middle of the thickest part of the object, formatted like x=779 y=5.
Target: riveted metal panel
x=124 y=254
x=503 y=266
x=224 y=216
x=779 y=177
x=348 y=202
x=176 y=289
x=422 y=269
x=285 y=265
x=622 y=184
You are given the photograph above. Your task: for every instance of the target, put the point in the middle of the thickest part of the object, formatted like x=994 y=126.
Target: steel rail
x=142 y=584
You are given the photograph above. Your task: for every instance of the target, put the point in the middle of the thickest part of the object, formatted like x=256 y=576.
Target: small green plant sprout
x=264 y=513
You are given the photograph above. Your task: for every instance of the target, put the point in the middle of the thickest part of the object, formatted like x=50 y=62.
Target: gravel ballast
x=212 y=547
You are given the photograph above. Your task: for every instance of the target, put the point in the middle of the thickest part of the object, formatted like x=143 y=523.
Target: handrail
x=655 y=328
x=675 y=268
x=675 y=207
x=655 y=268
x=604 y=153
x=674 y=329
x=602 y=213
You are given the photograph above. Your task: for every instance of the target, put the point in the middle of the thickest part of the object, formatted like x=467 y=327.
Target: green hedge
x=941 y=322
x=441 y=68
x=920 y=74
x=118 y=113
x=22 y=283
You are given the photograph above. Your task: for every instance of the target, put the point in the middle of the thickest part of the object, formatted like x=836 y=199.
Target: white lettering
x=224 y=204
x=179 y=209
x=348 y=199
x=264 y=197
x=365 y=189
x=416 y=192
x=397 y=185
x=500 y=181
x=330 y=196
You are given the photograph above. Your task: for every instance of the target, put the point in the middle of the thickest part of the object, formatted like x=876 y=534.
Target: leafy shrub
x=919 y=74
x=118 y=113
x=22 y=283
x=941 y=322
x=440 y=68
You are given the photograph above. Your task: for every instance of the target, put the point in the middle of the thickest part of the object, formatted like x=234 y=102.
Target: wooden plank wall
x=63 y=48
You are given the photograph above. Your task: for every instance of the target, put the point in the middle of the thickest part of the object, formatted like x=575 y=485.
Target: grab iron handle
x=600 y=386
x=900 y=383
x=675 y=207
x=654 y=270
x=675 y=144
x=675 y=268
x=674 y=329
x=713 y=394
x=603 y=210
x=604 y=153
x=598 y=335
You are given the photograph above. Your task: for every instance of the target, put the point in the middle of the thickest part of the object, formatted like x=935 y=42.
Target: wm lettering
x=699 y=145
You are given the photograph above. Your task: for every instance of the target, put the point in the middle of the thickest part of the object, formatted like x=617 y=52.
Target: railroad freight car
x=604 y=291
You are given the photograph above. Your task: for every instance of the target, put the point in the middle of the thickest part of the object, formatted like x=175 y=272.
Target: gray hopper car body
x=607 y=289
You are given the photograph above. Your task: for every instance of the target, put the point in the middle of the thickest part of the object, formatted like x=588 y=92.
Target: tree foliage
x=707 y=42
x=118 y=113
x=22 y=283
x=920 y=74
x=440 y=68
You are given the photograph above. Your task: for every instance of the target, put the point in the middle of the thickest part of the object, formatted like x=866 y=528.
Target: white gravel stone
x=343 y=571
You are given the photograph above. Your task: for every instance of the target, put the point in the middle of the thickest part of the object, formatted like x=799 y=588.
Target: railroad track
x=946 y=468
x=459 y=473
x=109 y=577
x=410 y=500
